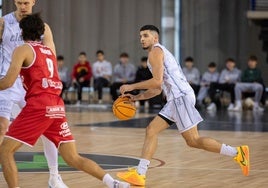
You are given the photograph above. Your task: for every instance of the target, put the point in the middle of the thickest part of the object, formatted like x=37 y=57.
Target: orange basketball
x=123 y=108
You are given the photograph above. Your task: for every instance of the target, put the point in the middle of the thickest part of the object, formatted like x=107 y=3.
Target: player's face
x=24 y=7
x=148 y=39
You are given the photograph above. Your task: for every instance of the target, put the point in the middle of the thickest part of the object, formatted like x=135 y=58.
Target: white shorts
x=12 y=98
x=182 y=112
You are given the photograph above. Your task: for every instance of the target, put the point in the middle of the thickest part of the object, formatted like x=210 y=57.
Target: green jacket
x=251 y=75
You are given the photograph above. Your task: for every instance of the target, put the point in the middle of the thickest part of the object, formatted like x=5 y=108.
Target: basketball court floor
x=116 y=145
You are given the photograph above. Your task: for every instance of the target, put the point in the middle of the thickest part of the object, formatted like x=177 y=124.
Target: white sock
x=53 y=170
x=51 y=154
x=108 y=180
x=228 y=150
x=143 y=166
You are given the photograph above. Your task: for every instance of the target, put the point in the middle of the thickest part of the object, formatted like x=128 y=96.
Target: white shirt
x=174 y=82
x=101 y=69
x=11 y=39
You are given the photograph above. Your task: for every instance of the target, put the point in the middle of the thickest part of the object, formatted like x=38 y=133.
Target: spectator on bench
x=81 y=75
x=192 y=74
x=124 y=73
x=210 y=76
x=102 y=73
x=143 y=73
x=63 y=74
x=227 y=80
x=251 y=81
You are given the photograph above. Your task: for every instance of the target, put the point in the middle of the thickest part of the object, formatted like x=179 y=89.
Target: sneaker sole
x=247 y=168
x=121 y=176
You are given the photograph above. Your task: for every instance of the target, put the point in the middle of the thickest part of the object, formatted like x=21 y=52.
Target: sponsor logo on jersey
x=55 y=111
x=65 y=131
x=50 y=83
x=64 y=125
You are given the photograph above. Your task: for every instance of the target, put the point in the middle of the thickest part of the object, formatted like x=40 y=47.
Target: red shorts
x=43 y=115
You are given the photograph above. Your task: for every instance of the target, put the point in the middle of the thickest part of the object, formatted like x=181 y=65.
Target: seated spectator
x=63 y=73
x=143 y=73
x=192 y=74
x=208 y=77
x=102 y=73
x=81 y=75
x=124 y=73
x=251 y=81
x=227 y=80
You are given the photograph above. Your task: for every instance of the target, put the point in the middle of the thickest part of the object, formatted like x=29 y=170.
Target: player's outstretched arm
x=20 y=55
x=48 y=39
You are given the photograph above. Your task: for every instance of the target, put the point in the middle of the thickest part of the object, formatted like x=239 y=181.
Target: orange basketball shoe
x=131 y=176
x=242 y=159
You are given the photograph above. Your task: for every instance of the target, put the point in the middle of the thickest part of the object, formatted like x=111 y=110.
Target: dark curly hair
x=32 y=27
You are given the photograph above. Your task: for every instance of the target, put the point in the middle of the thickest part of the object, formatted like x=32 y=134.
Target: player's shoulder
x=156 y=52
x=24 y=48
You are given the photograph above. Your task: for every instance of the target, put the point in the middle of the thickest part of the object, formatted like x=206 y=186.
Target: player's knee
x=193 y=142
x=72 y=160
x=3 y=128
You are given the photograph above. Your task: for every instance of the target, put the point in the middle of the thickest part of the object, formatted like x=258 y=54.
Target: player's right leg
x=71 y=157
x=137 y=176
x=10 y=171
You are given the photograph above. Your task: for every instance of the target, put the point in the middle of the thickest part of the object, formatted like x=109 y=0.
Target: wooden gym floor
x=175 y=165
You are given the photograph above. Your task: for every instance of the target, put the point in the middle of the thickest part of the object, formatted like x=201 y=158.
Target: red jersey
x=42 y=75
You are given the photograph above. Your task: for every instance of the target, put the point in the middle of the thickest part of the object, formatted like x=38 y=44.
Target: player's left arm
x=18 y=58
x=48 y=39
x=149 y=93
x=156 y=58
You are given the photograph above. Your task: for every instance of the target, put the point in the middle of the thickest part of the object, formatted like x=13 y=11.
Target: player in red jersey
x=44 y=113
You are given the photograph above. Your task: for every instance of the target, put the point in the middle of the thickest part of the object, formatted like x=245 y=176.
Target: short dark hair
x=212 y=65
x=32 y=27
x=144 y=59
x=230 y=59
x=60 y=58
x=124 y=54
x=253 y=58
x=99 y=52
x=189 y=59
x=83 y=53
x=150 y=27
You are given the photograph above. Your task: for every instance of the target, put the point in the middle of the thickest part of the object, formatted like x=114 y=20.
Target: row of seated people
x=103 y=74
x=232 y=80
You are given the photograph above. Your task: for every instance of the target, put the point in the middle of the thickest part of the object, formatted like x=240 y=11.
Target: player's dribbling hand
x=130 y=96
x=125 y=88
